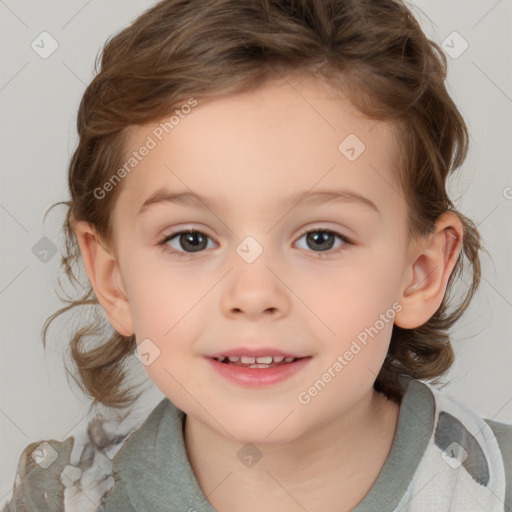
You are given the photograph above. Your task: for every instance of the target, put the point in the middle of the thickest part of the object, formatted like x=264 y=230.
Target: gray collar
x=153 y=472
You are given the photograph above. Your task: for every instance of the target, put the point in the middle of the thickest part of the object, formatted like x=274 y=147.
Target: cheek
x=354 y=294
x=357 y=306
x=165 y=320
x=168 y=309
x=159 y=294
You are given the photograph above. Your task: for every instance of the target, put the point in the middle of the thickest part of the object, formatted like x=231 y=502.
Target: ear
x=431 y=262
x=104 y=274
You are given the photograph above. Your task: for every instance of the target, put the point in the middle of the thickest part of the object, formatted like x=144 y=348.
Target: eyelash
x=179 y=255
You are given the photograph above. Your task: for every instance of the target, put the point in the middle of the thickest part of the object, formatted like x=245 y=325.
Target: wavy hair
x=374 y=51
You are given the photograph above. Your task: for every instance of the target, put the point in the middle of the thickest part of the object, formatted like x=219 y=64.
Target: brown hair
x=372 y=50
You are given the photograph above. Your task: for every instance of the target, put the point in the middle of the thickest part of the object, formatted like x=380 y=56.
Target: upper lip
x=254 y=352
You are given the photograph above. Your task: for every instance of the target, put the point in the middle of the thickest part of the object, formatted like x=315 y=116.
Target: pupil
x=191 y=238
x=318 y=238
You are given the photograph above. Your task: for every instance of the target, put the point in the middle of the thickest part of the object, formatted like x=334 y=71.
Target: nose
x=255 y=290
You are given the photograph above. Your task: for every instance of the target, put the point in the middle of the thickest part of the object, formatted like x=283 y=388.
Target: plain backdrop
x=39 y=98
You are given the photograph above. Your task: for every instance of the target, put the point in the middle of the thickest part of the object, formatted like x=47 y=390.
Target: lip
x=254 y=352
x=258 y=377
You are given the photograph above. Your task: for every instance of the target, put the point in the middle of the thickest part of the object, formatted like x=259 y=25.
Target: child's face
x=252 y=154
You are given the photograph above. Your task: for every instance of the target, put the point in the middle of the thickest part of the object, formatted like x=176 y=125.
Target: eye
x=193 y=240
x=322 y=240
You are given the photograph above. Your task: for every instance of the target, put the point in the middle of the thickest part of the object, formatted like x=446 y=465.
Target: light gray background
x=39 y=100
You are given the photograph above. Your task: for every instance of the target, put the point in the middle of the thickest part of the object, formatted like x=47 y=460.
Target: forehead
x=256 y=147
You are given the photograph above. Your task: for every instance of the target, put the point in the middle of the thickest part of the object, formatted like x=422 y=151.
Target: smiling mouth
x=257 y=362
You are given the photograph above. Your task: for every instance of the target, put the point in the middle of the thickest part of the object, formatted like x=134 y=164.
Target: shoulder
x=456 y=422
x=503 y=433
x=60 y=476
x=73 y=474
x=76 y=473
x=480 y=446
x=37 y=484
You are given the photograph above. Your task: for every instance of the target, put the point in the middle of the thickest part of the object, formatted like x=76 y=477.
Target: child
x=221 y=145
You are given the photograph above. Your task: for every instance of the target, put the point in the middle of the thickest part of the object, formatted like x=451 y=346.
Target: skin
x=252 y=151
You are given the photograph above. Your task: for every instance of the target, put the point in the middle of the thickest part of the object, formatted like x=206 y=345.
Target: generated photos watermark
x=356 y=346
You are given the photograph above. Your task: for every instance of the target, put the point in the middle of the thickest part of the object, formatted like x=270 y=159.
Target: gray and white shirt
x=444 y=457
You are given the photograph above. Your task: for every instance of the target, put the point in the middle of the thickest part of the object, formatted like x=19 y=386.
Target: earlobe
x=431 y=267
x=104 y=274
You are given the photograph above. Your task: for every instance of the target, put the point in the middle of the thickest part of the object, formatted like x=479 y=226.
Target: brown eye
x=185 y=242
x=320 y=240
x=192 y=241
x=323 y=240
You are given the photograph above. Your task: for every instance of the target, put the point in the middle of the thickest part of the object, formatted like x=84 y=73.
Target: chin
x=260 y=426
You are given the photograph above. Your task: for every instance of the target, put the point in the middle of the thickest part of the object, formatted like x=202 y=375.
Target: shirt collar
x=152 y=470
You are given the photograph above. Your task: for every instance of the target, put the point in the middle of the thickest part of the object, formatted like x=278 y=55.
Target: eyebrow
x=163 y=196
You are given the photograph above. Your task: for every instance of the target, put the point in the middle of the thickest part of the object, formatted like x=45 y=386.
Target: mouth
x=257 y=362
x=257 y=371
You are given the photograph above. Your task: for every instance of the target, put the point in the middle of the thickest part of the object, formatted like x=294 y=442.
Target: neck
x=329 y=468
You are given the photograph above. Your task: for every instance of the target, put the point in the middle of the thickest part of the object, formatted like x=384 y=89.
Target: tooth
x=248 y=360
x=288 y=359
x=233 y=359
x=264 y=359
x=278 y=359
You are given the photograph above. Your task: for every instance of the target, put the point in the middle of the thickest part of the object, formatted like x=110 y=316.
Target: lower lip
x=259 y=377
